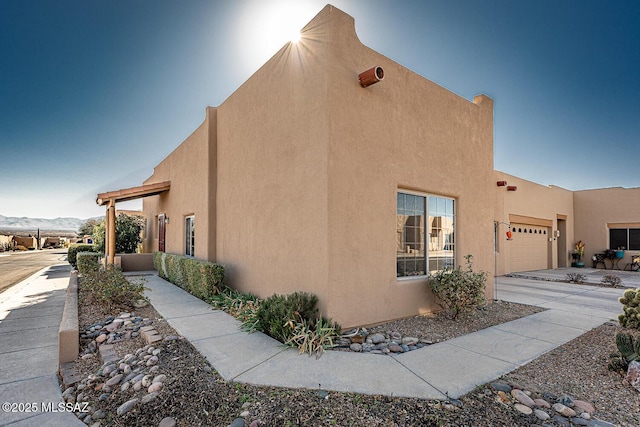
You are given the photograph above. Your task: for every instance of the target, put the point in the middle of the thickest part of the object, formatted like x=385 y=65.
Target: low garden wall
x=68 y=333
x=136 y=262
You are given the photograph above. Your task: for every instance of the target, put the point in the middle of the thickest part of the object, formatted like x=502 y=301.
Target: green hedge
x=200 y=278
x=73 y=252
x=88 y=261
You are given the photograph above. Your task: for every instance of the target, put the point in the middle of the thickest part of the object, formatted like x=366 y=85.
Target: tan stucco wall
x=308 y=176
x=27 y=242
x=190 y=168
x=272 y=186
x=136 y=262
x=536 y=204
x=596 y=210
x=407 y=133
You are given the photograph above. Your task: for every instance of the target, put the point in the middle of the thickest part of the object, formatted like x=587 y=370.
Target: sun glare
x=294 y=37
x=266 y=26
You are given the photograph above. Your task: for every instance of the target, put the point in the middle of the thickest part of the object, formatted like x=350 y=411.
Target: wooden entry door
x=162 y=230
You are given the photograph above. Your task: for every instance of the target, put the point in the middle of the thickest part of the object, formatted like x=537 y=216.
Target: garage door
x=529 y=247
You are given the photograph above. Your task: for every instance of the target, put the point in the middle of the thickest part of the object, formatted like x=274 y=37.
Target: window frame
x=627 y=239
x=426 y=233
x=189 y=235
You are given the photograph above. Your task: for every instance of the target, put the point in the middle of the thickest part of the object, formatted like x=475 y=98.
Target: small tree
x=128 y=228
x=86 y=228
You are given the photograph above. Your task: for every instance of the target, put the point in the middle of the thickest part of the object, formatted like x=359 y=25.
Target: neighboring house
x=608 y=218
x=303 y=180
x=28 y=242
x=51 y=242
x=6 y=242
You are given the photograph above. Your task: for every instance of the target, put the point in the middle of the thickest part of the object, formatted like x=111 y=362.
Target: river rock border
x=361 y=341
x=134 y=380
x=564 y=410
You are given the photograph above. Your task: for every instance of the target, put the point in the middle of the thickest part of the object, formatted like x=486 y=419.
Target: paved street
x=16 y=266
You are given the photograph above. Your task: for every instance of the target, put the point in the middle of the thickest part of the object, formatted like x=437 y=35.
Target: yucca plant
x=243 y=307
x=312 y=339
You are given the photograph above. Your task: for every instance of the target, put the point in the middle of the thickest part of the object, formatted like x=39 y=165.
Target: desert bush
x=73 y=253
x=277 y=311
x=611 y=280
x=87 y=261
x=630 y=300
x=109 y=287
x=458 y=289
x=576 y=278
x=310 y=339
x=243 y=307
x=200 y=278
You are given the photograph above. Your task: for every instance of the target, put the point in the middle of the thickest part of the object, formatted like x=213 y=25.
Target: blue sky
x=94 y=94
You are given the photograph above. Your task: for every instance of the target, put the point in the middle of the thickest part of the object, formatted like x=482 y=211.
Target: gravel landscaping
x=192 y=393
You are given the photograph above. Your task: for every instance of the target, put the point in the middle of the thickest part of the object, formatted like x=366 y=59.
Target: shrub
x=200 y=278
x=630 y=300
x=277 y=311
x=290 y=319
x=311 y=339
x=87 y=261
x=611 y=280
x=576 y=278
x=243 y=307
x=109 y=287
x=457 y=289
x=73 y=253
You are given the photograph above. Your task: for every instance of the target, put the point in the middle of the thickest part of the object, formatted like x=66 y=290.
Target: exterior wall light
x=501 y=183
x=371 y=76
x=511 y=188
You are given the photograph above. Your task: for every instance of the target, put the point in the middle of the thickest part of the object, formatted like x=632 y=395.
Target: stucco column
x=110 y=241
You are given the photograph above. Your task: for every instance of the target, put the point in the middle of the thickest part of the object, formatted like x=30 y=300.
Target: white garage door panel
x=530 y=249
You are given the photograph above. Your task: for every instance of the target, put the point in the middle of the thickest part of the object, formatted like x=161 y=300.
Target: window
x=425 y=234
x=190 y=232
x=628 y=238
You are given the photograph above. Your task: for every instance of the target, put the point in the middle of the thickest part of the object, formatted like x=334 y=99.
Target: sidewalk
x=450 y=368
x=30 y=314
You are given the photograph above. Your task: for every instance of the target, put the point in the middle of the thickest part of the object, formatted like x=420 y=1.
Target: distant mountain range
x=66 y=224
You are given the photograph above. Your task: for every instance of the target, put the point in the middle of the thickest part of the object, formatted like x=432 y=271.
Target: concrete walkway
x=30 y=314
x=450 y=368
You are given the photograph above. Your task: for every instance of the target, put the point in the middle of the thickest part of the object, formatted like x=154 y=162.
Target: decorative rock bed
x=562 y=410
x=113 y=329
x=360 y=340
x=134 y=380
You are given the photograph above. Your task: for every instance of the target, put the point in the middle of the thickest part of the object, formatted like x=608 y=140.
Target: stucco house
x=309 y=178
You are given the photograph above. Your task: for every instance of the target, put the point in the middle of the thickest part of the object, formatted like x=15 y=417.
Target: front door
x=161 y=232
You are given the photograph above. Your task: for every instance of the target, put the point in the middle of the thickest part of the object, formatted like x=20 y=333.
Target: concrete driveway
x=538 y=288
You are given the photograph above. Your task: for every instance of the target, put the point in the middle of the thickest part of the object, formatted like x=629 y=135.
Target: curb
x=68 y=334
